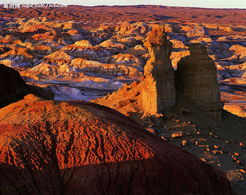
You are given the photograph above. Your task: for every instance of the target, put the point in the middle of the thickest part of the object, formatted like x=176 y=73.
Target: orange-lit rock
x=137 y=28
x=155 y=92
x=236 y=109
x=8 y=39
x=52 y=147
x=158 y=83
x=58 y=56
x=18 y=51
x=127 y=100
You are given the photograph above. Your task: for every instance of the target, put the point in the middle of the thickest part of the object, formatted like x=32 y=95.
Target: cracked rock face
x=197 y=80
x=50 y=147
x=159 y=85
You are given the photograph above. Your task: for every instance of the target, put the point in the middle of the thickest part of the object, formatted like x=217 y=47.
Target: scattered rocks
x=184 y=143
x=236 y=154
x=243 y=171
x=216 y=147
x=217 y=152
x=242 y=145
x=151 y=130
x=177 y=134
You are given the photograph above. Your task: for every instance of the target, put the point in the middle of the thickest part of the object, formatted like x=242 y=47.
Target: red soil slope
x=50 y=147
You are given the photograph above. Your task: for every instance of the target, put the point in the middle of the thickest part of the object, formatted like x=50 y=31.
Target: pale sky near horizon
x=181 y=3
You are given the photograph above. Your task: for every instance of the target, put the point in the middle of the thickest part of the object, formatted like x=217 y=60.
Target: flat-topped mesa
x=159 y=83
x=196 y=78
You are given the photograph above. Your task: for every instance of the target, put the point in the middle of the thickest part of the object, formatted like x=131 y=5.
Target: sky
x=181 y=3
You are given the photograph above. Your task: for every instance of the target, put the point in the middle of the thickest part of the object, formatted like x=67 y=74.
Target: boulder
x=50 y=147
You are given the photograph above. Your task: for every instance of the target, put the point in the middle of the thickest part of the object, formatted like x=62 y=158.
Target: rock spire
x=197 y=79
x=159 y=85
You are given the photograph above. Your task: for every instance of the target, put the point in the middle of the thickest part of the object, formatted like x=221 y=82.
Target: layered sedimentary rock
x=47 y=51
x=136 y=28
x=17 y=56
x=197 y=79
x=236 y=109
x=52 y=147
x=158 y=83
x=127 y=100
x=239 y=53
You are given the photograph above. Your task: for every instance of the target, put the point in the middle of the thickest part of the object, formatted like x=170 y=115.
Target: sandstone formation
x=127 y=100
x=177 y=55
x=49 y=52
x=85 y=53
x=127 y=59
x=17 y=56
x=155 y=92
x=52 y=147
x=239 y=52
x=137 y=28
x=197 y=31
x=197 y=79
x=158 y=84
x=236 y=109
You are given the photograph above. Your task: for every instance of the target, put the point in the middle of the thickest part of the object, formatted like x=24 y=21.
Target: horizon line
x=125 y=5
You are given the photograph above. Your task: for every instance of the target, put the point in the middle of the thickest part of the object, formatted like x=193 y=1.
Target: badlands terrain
x=107 y=55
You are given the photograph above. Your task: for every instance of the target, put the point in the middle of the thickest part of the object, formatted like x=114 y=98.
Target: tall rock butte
x=155 y=92
x=196 y=78
x=159 y=83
